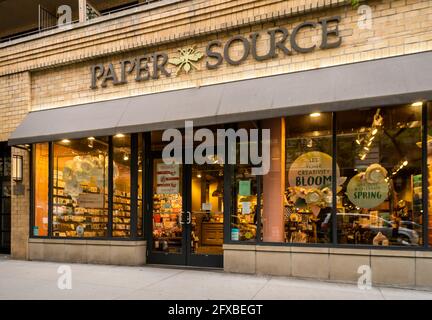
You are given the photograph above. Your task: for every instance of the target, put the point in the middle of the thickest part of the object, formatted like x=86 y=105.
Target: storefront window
x=244 y=186
x=244 y=206
x=429 y=171
x=308 y=179
x=379 y=154
x=122 y=183
x=80 y=188
x=41 y=159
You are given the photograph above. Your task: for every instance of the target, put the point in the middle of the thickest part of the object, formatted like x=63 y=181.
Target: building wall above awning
x=395 y=80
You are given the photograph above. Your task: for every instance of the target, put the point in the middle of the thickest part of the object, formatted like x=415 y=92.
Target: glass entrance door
x=206 y=215
x=187 y=214
x=168 y=240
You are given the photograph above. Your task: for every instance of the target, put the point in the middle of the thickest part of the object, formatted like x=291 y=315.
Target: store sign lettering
x=281 y=41
x=312 y=170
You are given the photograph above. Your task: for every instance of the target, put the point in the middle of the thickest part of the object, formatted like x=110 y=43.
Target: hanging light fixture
x=90 y=142
x=17 y=168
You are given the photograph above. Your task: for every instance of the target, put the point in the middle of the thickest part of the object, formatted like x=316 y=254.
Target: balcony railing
x=46 y=19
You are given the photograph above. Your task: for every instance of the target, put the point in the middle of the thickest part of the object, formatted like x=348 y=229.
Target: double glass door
x=186 y=214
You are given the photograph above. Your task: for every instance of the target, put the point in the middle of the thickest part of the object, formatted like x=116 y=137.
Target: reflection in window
x=308 y=196
x=80 y=194
x=122 y=183
x=379 y=154
x=41 y=159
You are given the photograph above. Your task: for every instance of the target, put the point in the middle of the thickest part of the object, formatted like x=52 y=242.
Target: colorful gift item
x=380 y=239
x=309 y=196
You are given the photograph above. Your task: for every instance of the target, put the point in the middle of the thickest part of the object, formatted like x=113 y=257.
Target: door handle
x=189 y=217
x=181 y=218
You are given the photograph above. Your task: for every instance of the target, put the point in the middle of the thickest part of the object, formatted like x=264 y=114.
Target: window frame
x=134 y=177
x=146 y=194
x=425 y=246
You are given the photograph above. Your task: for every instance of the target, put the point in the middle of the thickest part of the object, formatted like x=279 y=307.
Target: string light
x=365 y=142
x=399 y=166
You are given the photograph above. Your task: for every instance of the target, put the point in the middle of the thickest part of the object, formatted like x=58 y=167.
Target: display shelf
x=65 y=222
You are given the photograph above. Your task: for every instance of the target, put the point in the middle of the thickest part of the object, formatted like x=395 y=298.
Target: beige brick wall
x=20 y=208
x=145 y=29
x=14 y=102
x=399 y=27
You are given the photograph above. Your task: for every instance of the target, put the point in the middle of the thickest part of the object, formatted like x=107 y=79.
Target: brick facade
x=54 y=70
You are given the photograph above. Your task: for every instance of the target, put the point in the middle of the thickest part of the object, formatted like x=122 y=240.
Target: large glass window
x=429 y=172
x=244 y=204
x=380 y=158
x=244 y=186
x=308 y=179
x=41 y=160
x=378 y=178
x=80 y=188
x=122 y=185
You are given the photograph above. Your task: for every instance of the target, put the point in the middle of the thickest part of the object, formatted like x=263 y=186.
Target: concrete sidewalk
x=38 y=280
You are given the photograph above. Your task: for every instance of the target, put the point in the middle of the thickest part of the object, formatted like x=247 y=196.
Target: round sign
x=366 y=195
x=312 y=170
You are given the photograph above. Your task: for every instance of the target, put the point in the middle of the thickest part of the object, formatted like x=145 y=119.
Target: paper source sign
x=167 y=178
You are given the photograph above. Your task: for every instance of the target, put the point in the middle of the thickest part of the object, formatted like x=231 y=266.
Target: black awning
x=378 y=83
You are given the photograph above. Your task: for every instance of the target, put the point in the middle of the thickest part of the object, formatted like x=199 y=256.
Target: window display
x=80 y=188
x=376 y=170
x=41 y=159
x=122 y=183
x=380 y=156
x=429 y=171
x=308 y=176
x=244 y=207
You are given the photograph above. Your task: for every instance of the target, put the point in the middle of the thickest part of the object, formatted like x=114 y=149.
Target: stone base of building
x=128 y=253
x=388 y=267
